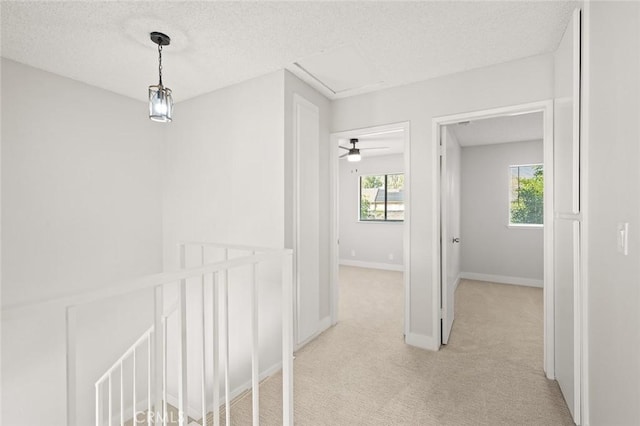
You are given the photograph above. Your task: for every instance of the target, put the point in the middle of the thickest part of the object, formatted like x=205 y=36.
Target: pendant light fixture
x=354 y=153
x=160 y=100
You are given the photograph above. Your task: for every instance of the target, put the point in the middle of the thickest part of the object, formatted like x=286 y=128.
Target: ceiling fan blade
x=344 y=147
x=344 y=155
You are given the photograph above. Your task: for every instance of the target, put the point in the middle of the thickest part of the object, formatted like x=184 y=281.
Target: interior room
x=171 y=199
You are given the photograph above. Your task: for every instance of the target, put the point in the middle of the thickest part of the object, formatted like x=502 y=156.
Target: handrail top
x=233 y=246
x=72 y=299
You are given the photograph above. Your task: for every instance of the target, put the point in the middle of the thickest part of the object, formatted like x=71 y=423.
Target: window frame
x=385 y=220
x=509 y=199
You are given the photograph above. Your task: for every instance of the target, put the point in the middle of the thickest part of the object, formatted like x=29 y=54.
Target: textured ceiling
x=216 y=44
x=509 y=128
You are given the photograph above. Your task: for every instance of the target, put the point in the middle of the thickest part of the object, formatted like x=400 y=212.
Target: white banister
x=216 y=350
x=215 y=336
x=255 y=348
x=110 y=405
x=149 y=412
x=70 y=324
x=164 y=370
x=225 y=331
x=158 y=351
x=203 y=339
x=121 y=394
x=133 y=385
x=287 y=339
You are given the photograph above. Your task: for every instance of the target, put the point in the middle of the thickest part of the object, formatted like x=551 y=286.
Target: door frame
x=546 y=107
x=334 y=173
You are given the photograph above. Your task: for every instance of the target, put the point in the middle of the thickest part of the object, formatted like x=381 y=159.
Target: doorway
x=443 y=300
x=375 y=201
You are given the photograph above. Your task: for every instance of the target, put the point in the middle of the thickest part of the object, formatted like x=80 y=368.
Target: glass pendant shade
x=160 y=103
x=354 y=155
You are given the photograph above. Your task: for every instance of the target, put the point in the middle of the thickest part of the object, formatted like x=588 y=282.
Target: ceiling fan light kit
x=160 y=99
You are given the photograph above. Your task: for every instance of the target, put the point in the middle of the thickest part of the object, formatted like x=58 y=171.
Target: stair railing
x=153 y=342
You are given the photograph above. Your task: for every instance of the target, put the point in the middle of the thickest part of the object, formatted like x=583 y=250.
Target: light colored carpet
x=360 y=372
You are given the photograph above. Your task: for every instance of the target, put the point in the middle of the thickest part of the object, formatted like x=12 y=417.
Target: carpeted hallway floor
x=360 y=372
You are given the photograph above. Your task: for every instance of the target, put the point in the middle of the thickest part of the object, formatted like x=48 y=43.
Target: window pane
x=395 y=197
x=526 y=192
x=374 y=197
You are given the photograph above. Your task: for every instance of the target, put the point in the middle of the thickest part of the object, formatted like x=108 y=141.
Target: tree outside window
x=381 y=197
x=526 y=205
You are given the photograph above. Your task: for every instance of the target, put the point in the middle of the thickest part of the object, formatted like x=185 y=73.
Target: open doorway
x=370 y=211
x=488 y=160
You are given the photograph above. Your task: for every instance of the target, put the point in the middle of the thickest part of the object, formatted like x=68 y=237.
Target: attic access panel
x=341 y=69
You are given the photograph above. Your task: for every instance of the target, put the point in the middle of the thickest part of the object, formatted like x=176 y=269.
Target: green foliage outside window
x=527 y=190
x=381 y=197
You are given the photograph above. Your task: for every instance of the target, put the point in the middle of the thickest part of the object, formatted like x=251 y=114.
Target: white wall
x=613 y=155
x=369 y=242
x=224 y=182
x=511 y=83
x=488 y=245
x=81 y=201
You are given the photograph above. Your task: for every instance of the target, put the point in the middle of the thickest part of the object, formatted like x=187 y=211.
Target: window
x=382 y=198
x=526 y=195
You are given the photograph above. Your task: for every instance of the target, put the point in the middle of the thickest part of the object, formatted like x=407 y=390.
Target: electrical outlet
x=390 y=256
x=353 y=253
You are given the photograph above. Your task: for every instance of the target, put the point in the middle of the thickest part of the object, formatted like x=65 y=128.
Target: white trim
x=372 y=265
x=584 y=181
x=546 y=107
x=457 y=283
x=333 y=242
x=502 y=279
x=421 y=341
x=298 y=102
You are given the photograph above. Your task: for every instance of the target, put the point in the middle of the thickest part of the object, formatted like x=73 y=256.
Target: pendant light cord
x=160 y=62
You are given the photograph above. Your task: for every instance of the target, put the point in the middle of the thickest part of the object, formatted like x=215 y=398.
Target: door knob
x=455 y=240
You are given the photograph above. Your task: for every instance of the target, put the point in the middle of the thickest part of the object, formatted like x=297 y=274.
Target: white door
x=307 y=250
x=567 y=226
x=450 y=227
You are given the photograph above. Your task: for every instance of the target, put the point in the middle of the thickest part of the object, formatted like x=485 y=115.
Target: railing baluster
x=183 y=415
x=255 y=347
x=70 y=324
x=98 y=405
x=204 y=346
x=121 y=393
x=158 y=311
x=164 y=370
x=216 y=351
x=149 y=413
x=287 y=339
x=133 y=373
x=109 y=406
x=225 y=329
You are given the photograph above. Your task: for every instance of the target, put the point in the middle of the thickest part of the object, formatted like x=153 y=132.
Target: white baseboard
x=196 y=414
x=455 y=285
x=325 y=323
x=372 y=265
x=421 y=341
x=501 y=279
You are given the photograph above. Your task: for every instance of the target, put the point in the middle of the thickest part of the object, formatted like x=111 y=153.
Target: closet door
x=567 y=222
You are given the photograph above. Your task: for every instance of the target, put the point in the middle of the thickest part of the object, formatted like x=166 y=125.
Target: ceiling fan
x=354 y=153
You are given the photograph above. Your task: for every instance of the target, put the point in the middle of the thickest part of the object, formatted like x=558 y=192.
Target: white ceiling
x=514 y=128
x=216 y=44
